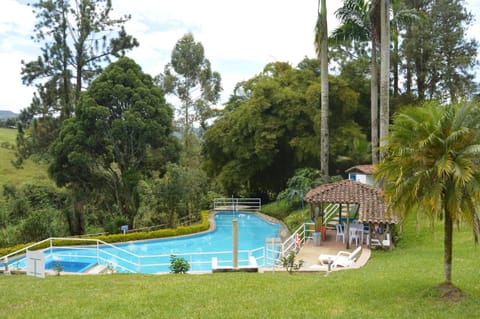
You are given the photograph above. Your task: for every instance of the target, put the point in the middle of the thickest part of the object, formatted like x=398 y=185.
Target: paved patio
x=309 y=253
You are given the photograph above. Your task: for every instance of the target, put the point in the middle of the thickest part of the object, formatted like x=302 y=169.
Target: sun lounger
x=342 y=258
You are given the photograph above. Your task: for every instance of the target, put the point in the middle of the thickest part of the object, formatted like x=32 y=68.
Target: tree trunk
x=408 y=79
x=448 y=239
x=67 y=110
x=324 y=138
x=384 y=71
x=395 y=67
x=374 y=100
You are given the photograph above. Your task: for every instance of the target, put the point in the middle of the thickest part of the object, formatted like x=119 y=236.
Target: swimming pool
x=153 y=256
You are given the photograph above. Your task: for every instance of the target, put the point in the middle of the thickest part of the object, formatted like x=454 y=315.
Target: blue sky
x=239 y=37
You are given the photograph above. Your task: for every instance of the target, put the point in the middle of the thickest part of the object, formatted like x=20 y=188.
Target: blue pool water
x=69 y=266
x=153 y=256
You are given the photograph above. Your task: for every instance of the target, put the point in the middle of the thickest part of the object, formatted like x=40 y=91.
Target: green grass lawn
x=394 y=284
x=31 y=172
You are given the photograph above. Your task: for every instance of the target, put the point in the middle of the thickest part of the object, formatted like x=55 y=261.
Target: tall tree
x=384 y=70
x=437 y=50
x=321 y=45
x=360 y=22
x=122 y=121
x=77 y=38
x=190 y=78
x=431 y=165
x=402 y=18
x=271 y=125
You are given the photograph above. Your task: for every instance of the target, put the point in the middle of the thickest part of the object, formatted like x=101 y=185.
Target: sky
x=239 y=38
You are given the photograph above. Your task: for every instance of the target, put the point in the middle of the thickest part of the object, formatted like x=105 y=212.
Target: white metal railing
x=126 y=261
x=275 y=251
x=238 y=204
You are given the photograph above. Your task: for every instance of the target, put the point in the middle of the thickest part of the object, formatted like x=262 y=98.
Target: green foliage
x=8 y=122
x=107 y=148
x=431 y=163
x=279 y=209
x=41 y=224
x=302 y=181
x=296 y=218
x=76 y=42
x=114 y=225
x=178 y=194
x=290 y=264
x=438 y=52
x=299 y=184
x=270 y=128
x=31 y=212
x=190 y=78
x=178 y=265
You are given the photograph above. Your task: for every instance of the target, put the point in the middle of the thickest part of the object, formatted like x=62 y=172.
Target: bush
x=178 y=265
x=289 y=263
x=279 y=209
x=296 y=218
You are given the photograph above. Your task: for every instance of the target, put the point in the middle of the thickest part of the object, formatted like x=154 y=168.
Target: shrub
x=279 y=209
x=178 y=265
x=296 y=218
x=289 y=263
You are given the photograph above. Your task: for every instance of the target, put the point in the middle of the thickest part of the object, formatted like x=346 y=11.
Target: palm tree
x=432 y=164
x=360 y=23
x=321 y=45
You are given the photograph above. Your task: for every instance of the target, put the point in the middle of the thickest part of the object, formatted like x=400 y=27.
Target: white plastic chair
x=340 y=232
x=356 y=233
x=384 y=243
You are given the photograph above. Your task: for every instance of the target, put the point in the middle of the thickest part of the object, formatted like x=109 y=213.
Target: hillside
x=31 y=172
x=7 y=114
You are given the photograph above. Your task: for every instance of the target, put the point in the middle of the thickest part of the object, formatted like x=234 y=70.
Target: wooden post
x=347 y=228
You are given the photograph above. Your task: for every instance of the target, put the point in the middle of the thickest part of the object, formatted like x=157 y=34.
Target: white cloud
x=16 y=27
x=239 y=38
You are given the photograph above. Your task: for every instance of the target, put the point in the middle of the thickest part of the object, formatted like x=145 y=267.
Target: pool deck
x=309 y=254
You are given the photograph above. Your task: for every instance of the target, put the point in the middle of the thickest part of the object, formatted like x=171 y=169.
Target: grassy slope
x=31 y=172
x=396 y=284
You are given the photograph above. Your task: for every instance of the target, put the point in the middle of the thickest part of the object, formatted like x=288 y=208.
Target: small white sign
x=36 y=263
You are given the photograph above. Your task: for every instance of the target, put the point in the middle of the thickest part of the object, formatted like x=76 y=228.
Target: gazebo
x=368 y=201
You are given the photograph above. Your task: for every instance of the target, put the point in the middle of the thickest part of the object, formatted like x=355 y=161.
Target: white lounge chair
x=342 y=258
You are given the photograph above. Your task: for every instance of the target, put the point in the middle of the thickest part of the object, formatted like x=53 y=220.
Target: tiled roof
x=372 y=207
x=366 y=169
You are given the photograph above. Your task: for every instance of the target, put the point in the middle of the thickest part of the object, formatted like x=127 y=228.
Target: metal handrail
x=258 y=253
x=238 y=204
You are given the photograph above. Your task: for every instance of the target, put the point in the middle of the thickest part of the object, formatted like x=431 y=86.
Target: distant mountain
x=7 y=114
